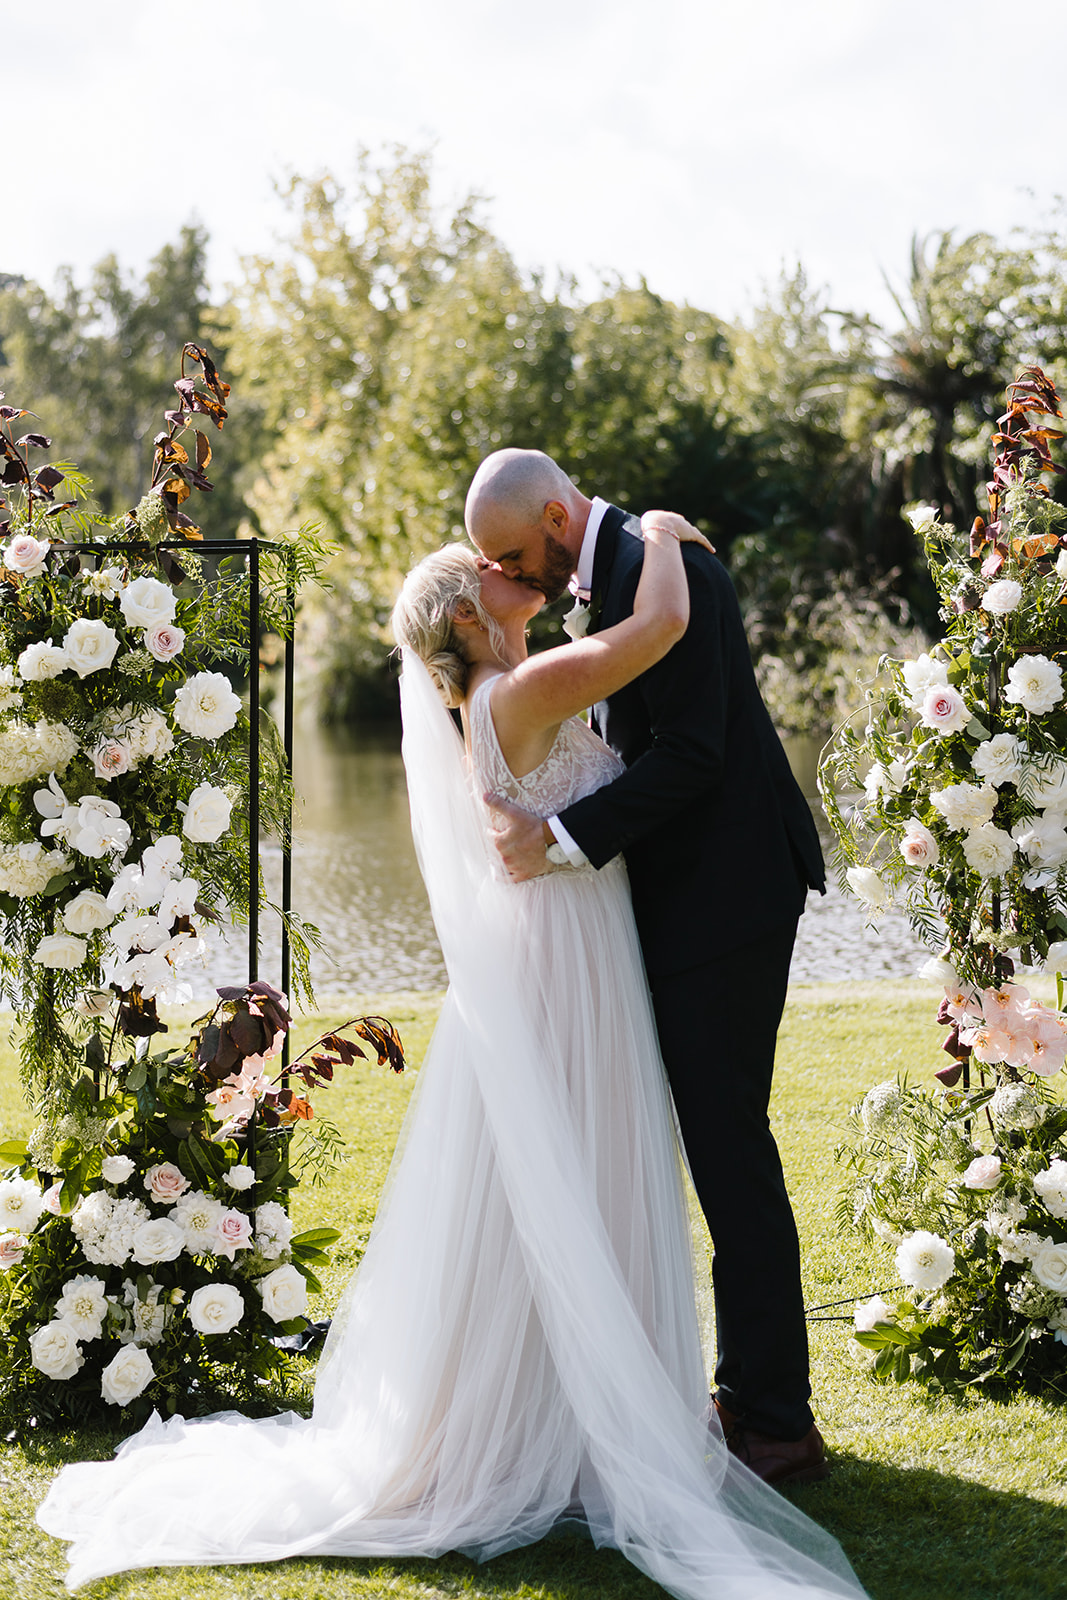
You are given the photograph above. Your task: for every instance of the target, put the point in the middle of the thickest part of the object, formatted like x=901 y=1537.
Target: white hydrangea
x=965 y=805
x=27 y=869
x=105 y=1228
x=149 y=735
x=21 y=758
x=273 y=1230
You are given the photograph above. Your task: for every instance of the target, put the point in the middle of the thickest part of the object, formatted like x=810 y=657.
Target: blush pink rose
x=111 y=758
x=164 y=641
x=944 y=709
x=234 y=1233
x=983 y=1173
x=13 y=1247
x=165 y=1182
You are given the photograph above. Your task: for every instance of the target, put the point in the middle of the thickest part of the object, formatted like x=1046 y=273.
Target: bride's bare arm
x=545 y=689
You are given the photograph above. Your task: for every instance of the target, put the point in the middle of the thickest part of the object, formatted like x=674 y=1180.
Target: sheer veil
x=679 y=1506
x=502 y=1361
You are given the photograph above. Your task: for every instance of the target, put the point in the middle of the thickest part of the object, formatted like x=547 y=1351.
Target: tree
x=96 y=363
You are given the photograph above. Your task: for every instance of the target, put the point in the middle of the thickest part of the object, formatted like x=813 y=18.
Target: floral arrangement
x=961 y=820
x=159 y=1266
x=145 y=1246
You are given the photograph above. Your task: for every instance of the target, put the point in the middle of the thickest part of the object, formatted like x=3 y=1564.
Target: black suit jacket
x=719 y=841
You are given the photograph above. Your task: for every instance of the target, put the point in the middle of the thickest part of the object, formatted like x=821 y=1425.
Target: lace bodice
x=577 y=763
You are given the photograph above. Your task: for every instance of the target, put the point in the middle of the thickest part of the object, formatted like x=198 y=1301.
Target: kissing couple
x=520 y=1347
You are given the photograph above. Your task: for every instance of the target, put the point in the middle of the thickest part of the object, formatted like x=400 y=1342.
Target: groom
x=721 y=849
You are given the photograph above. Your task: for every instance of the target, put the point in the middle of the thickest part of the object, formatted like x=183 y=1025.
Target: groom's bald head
x=525 y=514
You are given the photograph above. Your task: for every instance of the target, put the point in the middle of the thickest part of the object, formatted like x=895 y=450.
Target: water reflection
x=356 y=878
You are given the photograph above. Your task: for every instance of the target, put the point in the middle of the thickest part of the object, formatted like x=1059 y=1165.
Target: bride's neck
x=481 y=653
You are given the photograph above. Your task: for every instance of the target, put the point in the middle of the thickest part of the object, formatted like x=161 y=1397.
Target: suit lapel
x=603 y=560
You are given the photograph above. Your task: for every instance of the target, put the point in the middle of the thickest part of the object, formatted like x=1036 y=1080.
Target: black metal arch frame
x=251 y=550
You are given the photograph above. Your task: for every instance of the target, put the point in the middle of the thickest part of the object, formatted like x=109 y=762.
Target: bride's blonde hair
x=423 y=619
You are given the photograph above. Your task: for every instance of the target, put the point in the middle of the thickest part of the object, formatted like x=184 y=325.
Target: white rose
x=158 y=1240
x=54 y=1350
x=965 y=805
x=868 y=887
x=998 y=760
x=869 y=1312
x=989 y=850
x=1051 y=1186
x=116 y=1169
x=111 y=758
x=945 y=710
x=239 y=1177
x=1049 y=1267
x=26 y=555
x=1035 y=683
x=576 y=623
x=943 y=973
x=206 y=706
x=61 y=951
x=983 y=1173
x=87 y=912
x=1002 y=597
x=217 y=1308
x=145 y=603
x=284 y=1294
x=21 y=1204
x=83 y=1304
x=918 y=846
x=90 y=646
x=207 y=814
x=41 y=661
x=921 y=517
x=127 y=1376
x=164 y=641
x=924 y=1261
x=1045 y=786
x=921 y=675
x=1056 y=960
x=1043 y=839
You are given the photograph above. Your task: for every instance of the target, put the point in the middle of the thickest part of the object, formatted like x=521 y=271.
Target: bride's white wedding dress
x=520 y=1344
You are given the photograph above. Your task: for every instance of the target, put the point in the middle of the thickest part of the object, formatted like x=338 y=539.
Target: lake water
x=355 y=877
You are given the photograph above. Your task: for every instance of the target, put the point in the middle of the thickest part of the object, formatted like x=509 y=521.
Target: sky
x=703 y=145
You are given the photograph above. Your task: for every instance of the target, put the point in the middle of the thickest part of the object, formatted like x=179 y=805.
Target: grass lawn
x=930 y=1498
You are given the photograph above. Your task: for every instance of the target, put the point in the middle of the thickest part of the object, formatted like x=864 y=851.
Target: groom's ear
x=557 y=517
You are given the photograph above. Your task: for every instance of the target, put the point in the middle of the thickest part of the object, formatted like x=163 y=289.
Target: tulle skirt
x=520 y=1344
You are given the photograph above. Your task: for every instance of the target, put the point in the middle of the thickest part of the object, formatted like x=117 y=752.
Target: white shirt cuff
x=574 y=853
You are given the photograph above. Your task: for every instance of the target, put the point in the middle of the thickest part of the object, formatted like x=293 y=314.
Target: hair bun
x=449 y=673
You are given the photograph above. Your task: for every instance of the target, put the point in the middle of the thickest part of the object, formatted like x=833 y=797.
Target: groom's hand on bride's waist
x=519 y=839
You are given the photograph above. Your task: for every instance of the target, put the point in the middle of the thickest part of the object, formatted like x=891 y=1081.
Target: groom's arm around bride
x=721 y=849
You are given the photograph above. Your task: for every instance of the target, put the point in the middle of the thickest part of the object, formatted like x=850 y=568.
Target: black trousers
x=718 y=1026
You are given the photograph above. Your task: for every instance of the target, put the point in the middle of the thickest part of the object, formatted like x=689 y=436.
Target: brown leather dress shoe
x=776 y=1461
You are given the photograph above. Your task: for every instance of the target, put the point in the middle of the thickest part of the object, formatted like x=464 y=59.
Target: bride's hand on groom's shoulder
x=671 y=522
x=518 y=838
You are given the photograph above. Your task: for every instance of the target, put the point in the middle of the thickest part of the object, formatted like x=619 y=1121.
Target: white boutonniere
x=576 y=622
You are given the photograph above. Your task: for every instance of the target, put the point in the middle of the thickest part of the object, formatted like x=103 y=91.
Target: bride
x=520 y=1347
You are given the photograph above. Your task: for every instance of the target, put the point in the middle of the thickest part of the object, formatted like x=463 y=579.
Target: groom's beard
x=556 y=570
